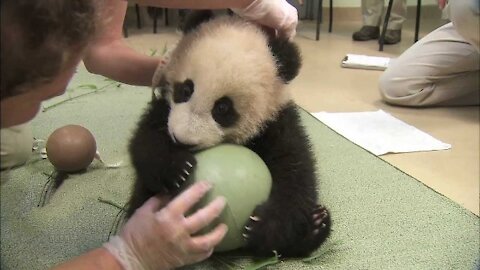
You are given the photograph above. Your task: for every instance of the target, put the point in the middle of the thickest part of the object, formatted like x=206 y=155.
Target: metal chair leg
x=137 y=10
x=155 y=17
x=385 y=24
x=166 y=16
x=319 y=18
x=417 y=21
x=330 y=18
x=309 y=8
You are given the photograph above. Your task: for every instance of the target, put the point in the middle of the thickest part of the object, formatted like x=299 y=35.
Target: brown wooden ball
x=71 y=148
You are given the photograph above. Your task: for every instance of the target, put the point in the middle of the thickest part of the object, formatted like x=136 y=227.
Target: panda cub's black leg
x=321 y=227
x=289 y=233
x=290 y=222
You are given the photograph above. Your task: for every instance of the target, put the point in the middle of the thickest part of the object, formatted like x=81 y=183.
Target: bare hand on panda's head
x=161 y=237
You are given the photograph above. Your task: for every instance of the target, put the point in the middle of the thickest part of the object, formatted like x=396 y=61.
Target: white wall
x=356 y=3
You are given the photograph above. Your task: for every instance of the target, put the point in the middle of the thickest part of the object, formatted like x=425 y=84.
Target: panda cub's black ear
x=288 y=58
x=195 y=18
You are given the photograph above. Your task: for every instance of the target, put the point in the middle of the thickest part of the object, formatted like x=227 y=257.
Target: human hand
x=277 y=14
x=161 y=238
x=442 y=3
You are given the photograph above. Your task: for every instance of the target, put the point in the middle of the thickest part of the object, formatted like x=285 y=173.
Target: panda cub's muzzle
x=183 y=145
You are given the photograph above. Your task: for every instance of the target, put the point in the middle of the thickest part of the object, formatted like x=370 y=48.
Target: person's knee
x=390 y=88
x=465 y=16
x=400 y=90
x=16 y=145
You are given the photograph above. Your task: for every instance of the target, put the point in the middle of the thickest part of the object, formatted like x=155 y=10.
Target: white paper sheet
x=380 y=133
x=365 y=62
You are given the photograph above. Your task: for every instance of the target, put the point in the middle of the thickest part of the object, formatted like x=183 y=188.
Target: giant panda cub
x=226 y=82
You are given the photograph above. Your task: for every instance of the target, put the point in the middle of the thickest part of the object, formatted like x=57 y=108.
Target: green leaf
x=263 y=263
x=153 y=52
x=102 y=200
x=226 y=263
x=88 y=86
x=165 y=49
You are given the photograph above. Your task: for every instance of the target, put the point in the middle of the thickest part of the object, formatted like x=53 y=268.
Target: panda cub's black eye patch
x=182 y=91
x=224 y=113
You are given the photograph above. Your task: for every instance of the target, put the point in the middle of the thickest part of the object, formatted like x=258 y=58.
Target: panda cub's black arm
x=285 y=148
x=159 y=163
x=290 y=221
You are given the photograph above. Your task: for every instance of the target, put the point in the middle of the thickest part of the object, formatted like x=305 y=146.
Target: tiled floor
x=324 y=86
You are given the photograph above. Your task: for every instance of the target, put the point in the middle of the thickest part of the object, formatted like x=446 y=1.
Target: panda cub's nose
x=182 y=91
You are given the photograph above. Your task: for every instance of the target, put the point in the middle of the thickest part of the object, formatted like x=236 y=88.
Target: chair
x=155 y=17
x=381 y=41
x=139 y=23
x=385 y=23
x=320 y=18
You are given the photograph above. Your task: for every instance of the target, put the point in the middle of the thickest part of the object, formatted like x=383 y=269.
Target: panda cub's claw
x=321 y=219
x=184 y=174
x=254 y=218
x=248 y=229
x=295 y=234
x=182 y=165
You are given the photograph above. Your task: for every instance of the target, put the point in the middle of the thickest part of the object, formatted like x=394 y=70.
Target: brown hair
x=38 y=37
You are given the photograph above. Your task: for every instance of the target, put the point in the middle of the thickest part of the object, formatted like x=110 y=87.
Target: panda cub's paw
x=181 y=167
x=289 y=233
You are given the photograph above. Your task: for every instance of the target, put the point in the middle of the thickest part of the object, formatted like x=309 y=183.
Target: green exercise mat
x=382 y=218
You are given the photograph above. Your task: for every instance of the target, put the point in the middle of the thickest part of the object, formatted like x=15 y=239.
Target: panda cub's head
x=226 y=79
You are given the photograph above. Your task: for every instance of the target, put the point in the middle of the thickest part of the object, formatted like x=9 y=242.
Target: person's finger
x=206 y=242
x=287 y=34
x=206 y=215
x=189 y=197
x=198 y=257
x=270 y=32
x=154 y=203
x=289 y=30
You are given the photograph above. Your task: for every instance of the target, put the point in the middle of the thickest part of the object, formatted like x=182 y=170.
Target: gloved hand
x=277 y=14
x=442 y=3
x=161 y=238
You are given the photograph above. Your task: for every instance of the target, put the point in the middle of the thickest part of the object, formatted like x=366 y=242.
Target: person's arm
x=442 y=3
x=160 y=236
x=195 y=4
x=98 y=258
x=110 y=56
x=277 y=14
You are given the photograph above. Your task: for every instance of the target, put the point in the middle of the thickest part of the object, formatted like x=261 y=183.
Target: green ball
x=241 y=176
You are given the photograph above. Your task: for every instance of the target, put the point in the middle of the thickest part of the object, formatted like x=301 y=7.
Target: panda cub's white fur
x=227 y=57
x=227 y=81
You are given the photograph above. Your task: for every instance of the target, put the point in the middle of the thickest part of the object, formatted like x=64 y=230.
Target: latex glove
x=161 y=238
x=277 y=14
x=442 y=3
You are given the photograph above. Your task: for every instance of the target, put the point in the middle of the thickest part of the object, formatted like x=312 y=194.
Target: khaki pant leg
x=16 y=145
x=440 y=69
x=465 y=16
x=398 y=15
x=372 y=11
